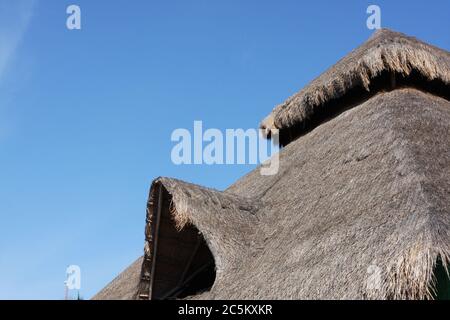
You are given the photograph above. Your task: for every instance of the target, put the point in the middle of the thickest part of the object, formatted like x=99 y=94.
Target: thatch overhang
x=388 y=60
x=184 y=220
x=359 y=209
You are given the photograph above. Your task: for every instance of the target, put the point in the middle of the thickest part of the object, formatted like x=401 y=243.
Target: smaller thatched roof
x=388 y=59
x=225 y=221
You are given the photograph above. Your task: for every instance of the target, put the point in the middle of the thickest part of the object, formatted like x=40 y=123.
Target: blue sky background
x=86 y=116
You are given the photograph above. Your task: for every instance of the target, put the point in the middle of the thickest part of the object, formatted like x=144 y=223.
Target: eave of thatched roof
x=225 y=220
x=387 y=60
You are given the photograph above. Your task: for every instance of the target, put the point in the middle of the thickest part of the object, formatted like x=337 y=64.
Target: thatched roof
x=388 y=59
x=360 y=208
x=123 y=287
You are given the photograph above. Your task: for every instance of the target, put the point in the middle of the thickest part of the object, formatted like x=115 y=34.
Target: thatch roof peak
x=386 y=61
x=385 y=33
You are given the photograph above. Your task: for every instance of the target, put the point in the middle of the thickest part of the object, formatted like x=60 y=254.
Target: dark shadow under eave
x=386 y=81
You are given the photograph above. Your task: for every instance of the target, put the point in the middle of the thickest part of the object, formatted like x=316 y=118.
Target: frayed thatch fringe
x=386 y=51
x=411 y=276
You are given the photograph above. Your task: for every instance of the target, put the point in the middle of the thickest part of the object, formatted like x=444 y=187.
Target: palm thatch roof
x=360 y=207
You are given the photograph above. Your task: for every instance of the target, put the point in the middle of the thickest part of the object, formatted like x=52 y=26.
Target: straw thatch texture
x=385 y=52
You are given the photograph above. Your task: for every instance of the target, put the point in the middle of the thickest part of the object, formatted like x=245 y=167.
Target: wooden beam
x=155 y=239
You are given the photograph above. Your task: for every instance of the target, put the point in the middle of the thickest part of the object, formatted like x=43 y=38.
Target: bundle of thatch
x=360 y=207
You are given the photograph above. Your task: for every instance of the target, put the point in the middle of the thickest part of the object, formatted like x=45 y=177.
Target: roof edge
x=385 y=52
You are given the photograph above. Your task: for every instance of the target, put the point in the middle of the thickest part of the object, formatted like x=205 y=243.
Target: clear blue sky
x=86 y=116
